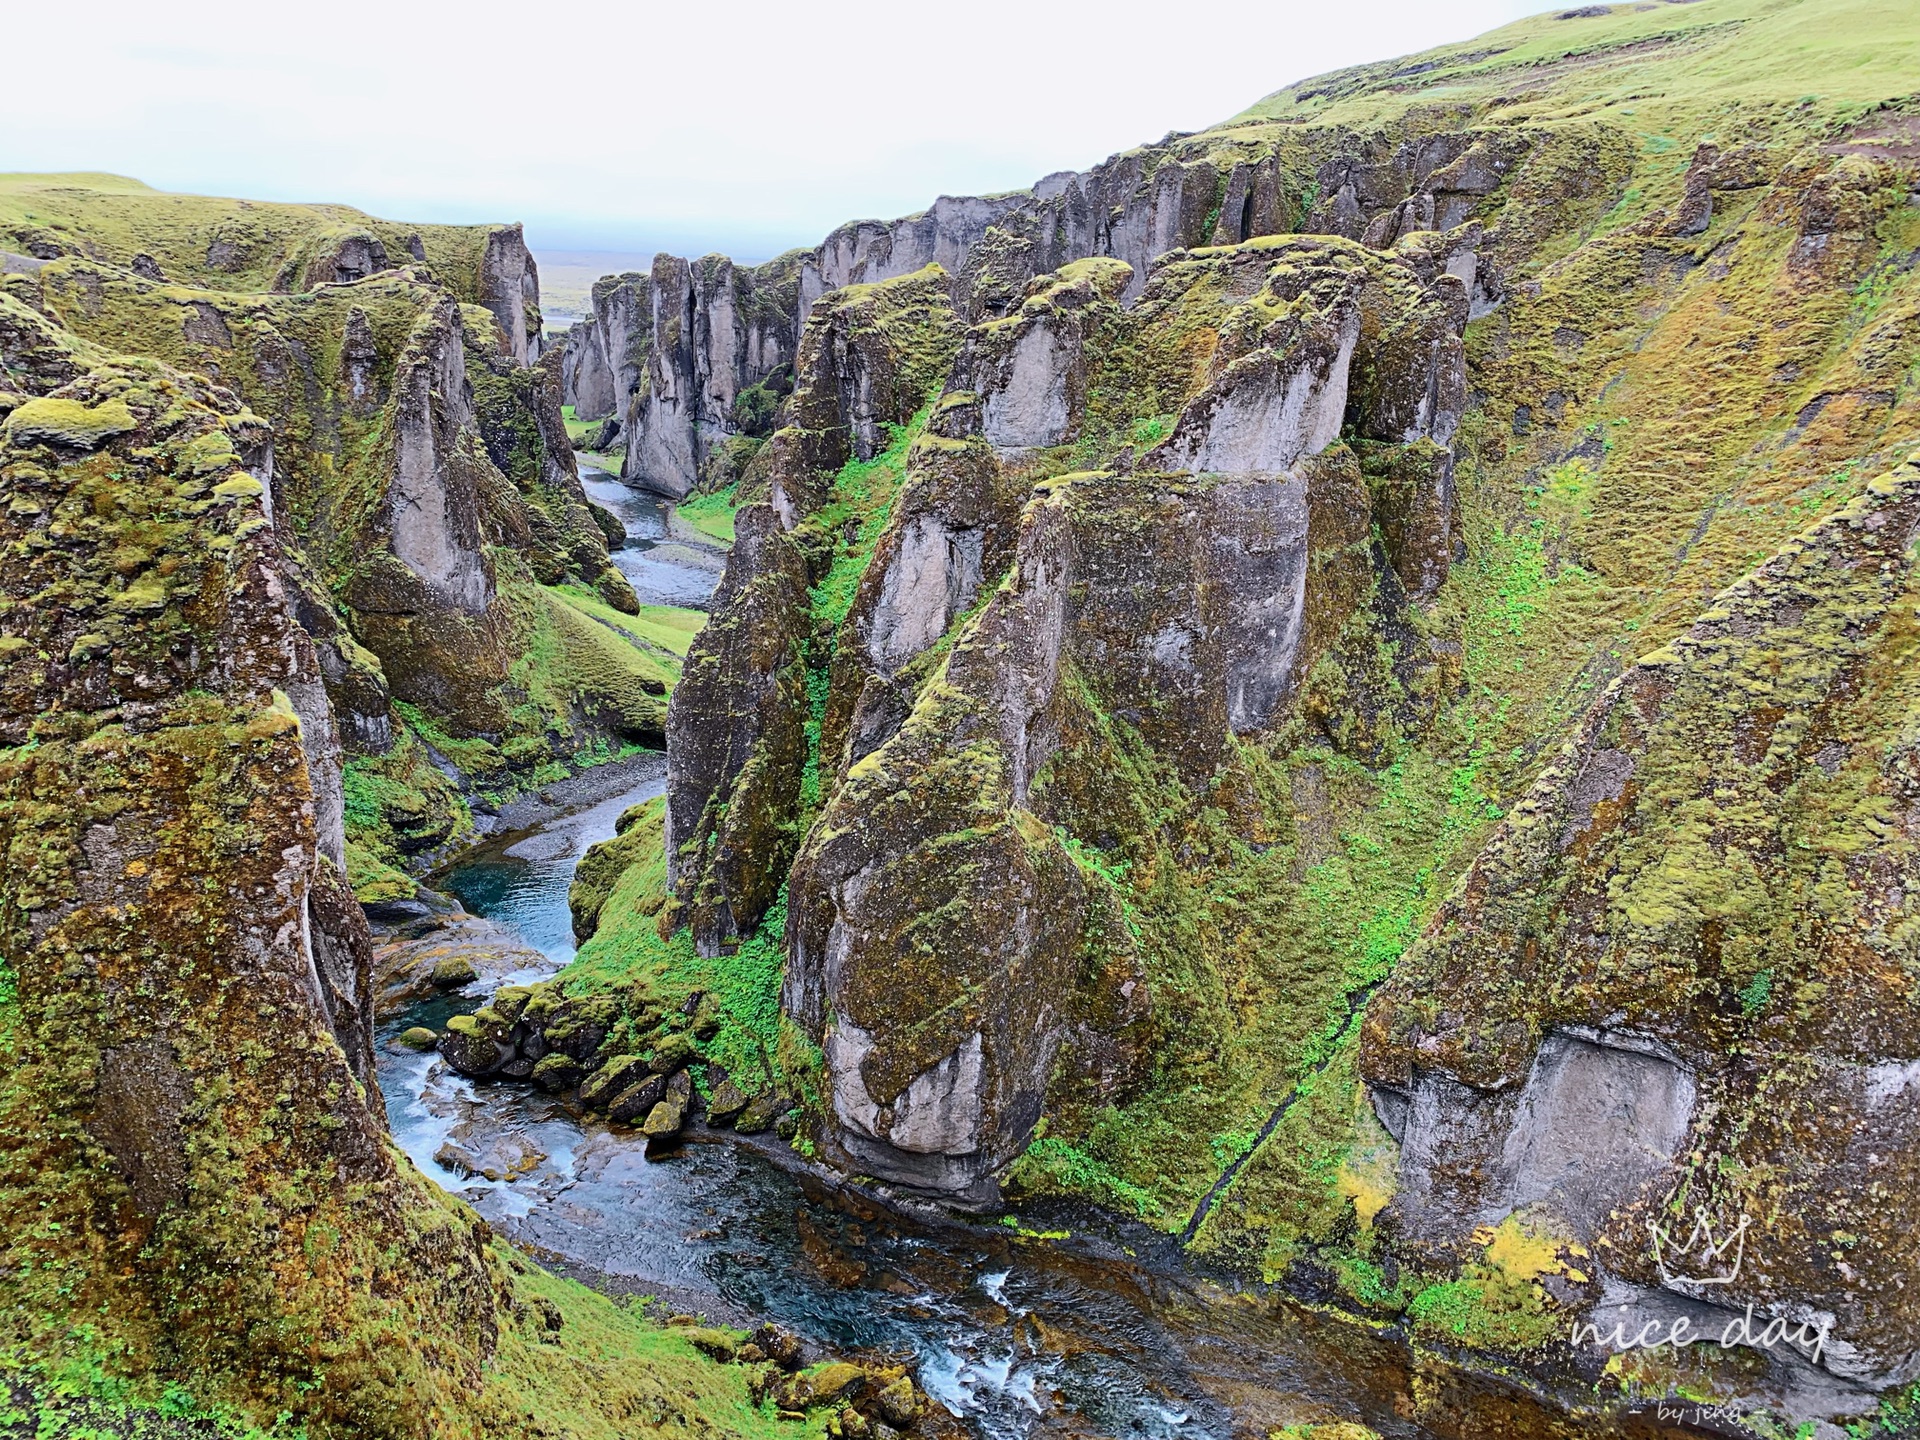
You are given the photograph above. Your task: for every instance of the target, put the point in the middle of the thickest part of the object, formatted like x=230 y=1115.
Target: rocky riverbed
x=1059 y=1322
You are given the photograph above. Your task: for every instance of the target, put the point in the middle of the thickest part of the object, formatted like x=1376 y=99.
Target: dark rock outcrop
x=954 y=950
x=737 y=724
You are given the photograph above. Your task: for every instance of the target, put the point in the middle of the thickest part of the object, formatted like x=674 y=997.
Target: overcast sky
x=744 y=127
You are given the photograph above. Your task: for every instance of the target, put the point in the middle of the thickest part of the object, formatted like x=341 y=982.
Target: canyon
x=1314 y=722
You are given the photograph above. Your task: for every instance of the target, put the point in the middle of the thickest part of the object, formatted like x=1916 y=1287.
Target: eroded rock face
x=736 y=726
x=509 y=286
x=432 y=509
x=1674 y=969
x=339 y=258
x=1030 y=372
x=607 y=351
x=715 y=331
x=735 y=741
x=428 y=606
x=1134 y=208
x=192 y=1104
x=954 y=953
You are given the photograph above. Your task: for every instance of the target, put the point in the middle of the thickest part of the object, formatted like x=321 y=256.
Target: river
x=1104 y=1332
x=662 y=568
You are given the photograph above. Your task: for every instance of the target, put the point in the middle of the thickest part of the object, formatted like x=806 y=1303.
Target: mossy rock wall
x=418 y=465
x=198 y=1180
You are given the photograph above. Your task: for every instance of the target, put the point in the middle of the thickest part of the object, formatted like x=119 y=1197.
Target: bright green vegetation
x=712 y=513
x=1575 y=564
x=628 y=947
x=1830 y=58
x=627 y=952
x=606 y=1371
x=668 y=626
x=200 y=1192
x=855 y=512
x=576 y=428
x=1654 y=414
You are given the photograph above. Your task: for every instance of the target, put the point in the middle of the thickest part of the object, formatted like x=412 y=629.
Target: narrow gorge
x=1267 y=790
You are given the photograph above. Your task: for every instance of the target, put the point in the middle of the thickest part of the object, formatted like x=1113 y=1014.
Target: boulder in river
x=452 y=971
x=510 y=1002
x=639 y=1100
x=663 y=1125
x=725 y=1104
x=899 y=1403
x=485 y=1151
x=556 y=1072
x=610 y=1079
x=463 y=950
x=477 y=1044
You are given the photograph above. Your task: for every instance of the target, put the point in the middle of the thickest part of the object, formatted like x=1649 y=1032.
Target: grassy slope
x=572 y=1363
x=710 y=514
x=1837 y=56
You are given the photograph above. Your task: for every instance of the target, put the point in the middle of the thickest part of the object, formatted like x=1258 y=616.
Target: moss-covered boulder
x=478 y=1044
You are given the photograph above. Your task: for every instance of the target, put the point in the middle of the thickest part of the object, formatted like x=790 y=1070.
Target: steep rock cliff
x=738 y=745
x=606 y=352
x=274 y=607
x=717 y=331
x=463 y=604
x=945 y=911
x=170 y=802
x=1677 y=981
x=1597 y=356
x=1219 y=188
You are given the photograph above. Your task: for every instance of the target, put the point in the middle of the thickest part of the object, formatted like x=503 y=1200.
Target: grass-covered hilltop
x=1343 y=687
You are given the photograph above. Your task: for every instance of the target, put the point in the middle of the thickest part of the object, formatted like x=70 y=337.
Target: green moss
x=579 y=656
x=372 y=879
x=1051 y=1166
x=627 y=955
x=854 y=514
x=70 y=423
x=576 y=428
x=711 y=514
x=1497 y=1304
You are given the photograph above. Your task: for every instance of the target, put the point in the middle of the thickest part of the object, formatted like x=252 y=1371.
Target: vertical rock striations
x=957 y=950
x=719 y=330
x=737 y=743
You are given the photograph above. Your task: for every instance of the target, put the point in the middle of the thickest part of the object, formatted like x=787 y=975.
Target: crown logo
x=1717 y=1257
